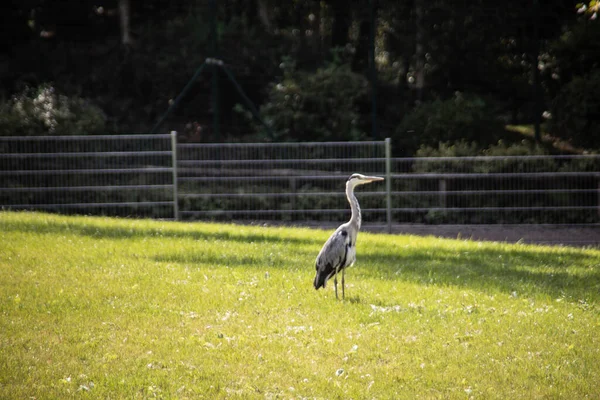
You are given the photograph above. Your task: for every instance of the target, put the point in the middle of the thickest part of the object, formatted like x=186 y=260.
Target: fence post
x=294 y=191
x=388 y=182
x=442 y=186
x=174 y=162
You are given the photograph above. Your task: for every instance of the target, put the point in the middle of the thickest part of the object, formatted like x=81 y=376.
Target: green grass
x=107 y=308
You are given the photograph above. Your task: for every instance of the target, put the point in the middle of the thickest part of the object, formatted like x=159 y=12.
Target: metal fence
x=120 y=175
x=300 y=183
x=539 y=189
x=291 y=183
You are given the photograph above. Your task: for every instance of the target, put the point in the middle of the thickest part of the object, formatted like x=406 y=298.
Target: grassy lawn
x=108 y=308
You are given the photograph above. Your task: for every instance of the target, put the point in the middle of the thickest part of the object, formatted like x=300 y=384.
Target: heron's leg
x=335 y=283
x=343 y=287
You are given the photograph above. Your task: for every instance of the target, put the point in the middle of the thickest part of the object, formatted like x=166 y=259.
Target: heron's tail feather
x=320 y=281
x=324 y=273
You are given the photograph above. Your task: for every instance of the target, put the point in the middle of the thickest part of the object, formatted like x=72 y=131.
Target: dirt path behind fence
x=555 y=235
x=538 y=234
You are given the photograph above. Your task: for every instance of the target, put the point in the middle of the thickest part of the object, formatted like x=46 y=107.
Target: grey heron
x=339 y=251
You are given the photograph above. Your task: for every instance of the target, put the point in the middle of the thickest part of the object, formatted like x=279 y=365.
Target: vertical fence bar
x=388 y=183
x=174 y=162
x=442 y=185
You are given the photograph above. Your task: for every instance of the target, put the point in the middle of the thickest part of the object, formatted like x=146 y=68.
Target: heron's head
x=360 y=179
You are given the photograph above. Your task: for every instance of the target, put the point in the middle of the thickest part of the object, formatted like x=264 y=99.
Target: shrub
x=450 y=149
x=500 y=149
x=43 y=111
x=463 y=148
x=575 y=111
x=464 y=117
x=319 y=106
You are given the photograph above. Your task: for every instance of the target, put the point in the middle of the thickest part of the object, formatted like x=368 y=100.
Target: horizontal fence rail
x=295 y=183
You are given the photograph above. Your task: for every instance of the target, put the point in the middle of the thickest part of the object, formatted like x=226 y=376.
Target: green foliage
x=316 y=106
x=524 y=148
x=590 y=9
x=449 y=149
x=572 y=79
x=135 y=84
x=463 y=148
x=43 y=111
x=574 y=53
x=575 y=111
x=464 y=117
x=502 y=150
x=107 y=308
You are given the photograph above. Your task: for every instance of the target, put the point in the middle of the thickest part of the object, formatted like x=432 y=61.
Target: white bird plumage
x=339 y=251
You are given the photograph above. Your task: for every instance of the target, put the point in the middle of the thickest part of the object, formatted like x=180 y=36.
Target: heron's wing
x=332 y=256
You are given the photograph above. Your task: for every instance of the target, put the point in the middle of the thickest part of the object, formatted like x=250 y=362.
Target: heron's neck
x=356 y=218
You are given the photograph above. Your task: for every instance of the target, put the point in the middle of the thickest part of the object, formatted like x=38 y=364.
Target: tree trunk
x=341 y=23
x=537 y=108
x=360 y=63
x=264 y=14
x=419 y=50
x=124 y=20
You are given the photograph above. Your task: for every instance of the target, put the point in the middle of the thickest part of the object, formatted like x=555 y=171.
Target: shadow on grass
x=92 y=229
x=353 y=299
x=573 y=273
x=526 y=272
x=224 y=260
x=564 y=272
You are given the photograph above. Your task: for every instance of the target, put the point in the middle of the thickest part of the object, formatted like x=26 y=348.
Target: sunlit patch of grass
x=109 y=308
x=554 y=143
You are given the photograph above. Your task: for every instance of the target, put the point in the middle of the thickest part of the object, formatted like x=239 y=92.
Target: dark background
x=450 y=72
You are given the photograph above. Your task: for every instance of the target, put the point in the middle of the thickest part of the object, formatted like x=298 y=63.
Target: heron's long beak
x=369 y=179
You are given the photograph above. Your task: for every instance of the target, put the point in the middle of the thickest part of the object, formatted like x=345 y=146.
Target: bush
x=575 y=111
x=319 y=106
x=450 y=149
x=500 y=149
x=464 y=117
x=463 y=148
x=43 y=111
